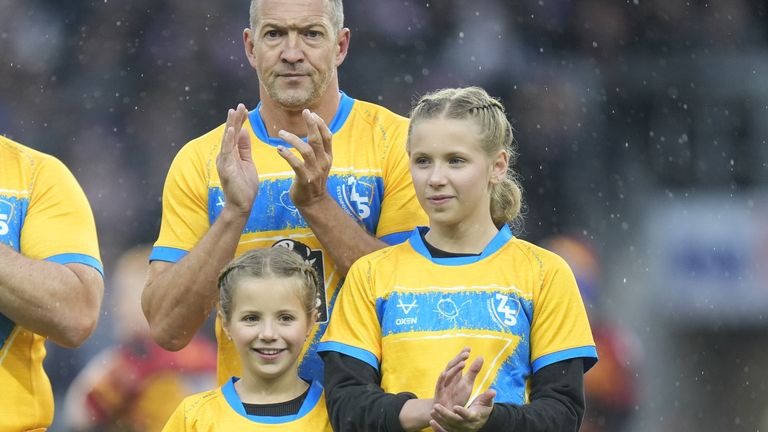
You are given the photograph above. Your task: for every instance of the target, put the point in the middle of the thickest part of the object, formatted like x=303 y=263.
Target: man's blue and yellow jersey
x=407 y=314
x=44 y=215
x=369 y=179
x=222 y=410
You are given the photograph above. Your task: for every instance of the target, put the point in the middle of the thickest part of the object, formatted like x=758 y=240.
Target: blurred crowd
x=606 y=96
x=115 y=88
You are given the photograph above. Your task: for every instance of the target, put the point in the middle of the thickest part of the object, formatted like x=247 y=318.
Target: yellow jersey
x=222 y=410
x=407 y=314
x=44 y=215
x=369 y=179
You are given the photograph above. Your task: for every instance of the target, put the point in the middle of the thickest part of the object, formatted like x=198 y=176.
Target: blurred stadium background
x=641 y=127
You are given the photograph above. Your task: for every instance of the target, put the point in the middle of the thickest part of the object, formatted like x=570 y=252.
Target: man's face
x=294 y=50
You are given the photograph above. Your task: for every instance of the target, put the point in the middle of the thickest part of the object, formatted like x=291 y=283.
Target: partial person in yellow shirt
x=268 y=304
x=50 y=278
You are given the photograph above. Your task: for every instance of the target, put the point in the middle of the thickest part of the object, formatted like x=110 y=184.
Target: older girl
x=465 y=285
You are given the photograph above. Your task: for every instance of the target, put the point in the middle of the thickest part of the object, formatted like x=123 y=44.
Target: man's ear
x=249 y=42
x=342 y=45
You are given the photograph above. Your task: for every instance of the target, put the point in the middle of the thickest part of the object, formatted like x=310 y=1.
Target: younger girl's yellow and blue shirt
x=222 y=410
x=44 y=215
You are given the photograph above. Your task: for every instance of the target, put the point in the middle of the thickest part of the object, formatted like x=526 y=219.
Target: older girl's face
x=452 y=173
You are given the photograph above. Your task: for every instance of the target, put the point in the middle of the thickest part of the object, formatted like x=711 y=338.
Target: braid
x=488 y=105
x=277 y=262
x=490 y=115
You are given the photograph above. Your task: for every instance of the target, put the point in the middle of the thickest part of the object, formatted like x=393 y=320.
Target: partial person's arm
x=178 y=297
x=556 y=402
x=343 y=238
x=356 y=401
x=58 y=301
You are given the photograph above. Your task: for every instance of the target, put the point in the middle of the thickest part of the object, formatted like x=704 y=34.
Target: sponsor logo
x=406 y=308
x=406 y=321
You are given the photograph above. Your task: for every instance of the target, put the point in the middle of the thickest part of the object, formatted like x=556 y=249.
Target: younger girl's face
x=268 y=326
x=451 y=172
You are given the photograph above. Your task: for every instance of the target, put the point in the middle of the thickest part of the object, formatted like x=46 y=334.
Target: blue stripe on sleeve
x=69 y=258
x=168 y=254
x=396 y=238
x=355 y=352
x=588 y=353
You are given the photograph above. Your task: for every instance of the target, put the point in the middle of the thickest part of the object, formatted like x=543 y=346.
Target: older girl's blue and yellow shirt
x=44 y=215
x=407 y=314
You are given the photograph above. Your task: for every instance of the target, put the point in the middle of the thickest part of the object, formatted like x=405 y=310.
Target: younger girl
x=267 y=304
x=462 y=285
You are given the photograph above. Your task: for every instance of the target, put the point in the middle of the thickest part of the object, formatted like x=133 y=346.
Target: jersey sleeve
x=354 y=329
x=400 y=210
x=185 y=207
x=560 y=328
x=59 y=225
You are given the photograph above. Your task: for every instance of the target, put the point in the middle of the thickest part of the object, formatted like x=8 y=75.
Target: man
x=50 y=278
x=332 y=203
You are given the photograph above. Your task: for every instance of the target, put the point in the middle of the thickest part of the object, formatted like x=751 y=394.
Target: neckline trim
x=497 y=242
x=259 y=128
x=234 y=401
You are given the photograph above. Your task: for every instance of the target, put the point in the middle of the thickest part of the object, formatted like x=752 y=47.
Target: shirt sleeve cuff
x=393 y=409
x=502 y=418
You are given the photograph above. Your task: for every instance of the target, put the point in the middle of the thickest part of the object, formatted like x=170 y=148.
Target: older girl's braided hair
x=473 y=103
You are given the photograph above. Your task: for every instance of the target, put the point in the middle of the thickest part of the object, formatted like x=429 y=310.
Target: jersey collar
x=257 y=123
x=233 y=400
x=496 y=243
